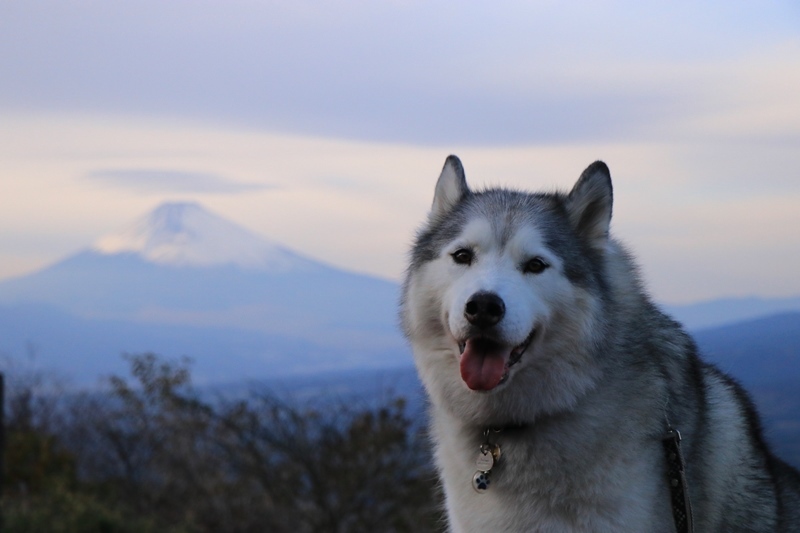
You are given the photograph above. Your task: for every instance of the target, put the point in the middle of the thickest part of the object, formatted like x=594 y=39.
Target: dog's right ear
x=589 y=204
x=450 y=188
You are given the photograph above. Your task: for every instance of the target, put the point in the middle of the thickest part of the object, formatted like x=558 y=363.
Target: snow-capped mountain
x=183 y=281
x=186 y=234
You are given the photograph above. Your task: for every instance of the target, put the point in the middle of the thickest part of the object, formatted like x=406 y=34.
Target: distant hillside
x=760 y=351
x=764 y=355
x=82 y=349
x=714 y=313
x=779 y=405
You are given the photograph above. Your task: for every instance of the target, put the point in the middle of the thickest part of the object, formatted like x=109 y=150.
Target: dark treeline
x=150 y=454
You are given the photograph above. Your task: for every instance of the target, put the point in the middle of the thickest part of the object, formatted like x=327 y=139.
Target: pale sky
x=323 y=125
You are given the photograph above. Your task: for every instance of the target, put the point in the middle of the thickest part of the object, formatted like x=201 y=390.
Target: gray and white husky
x=558 y=389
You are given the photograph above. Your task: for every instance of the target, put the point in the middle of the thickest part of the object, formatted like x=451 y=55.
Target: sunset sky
x=323 y=125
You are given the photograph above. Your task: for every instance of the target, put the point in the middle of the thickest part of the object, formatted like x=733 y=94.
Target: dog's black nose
x=484 y=309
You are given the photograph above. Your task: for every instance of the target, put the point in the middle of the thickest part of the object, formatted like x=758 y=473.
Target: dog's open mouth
x=485 y=363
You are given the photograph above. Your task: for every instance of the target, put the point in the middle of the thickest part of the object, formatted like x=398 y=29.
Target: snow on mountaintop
x=186 y=234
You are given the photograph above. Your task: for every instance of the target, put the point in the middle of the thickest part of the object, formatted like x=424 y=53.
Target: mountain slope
x=182 y=267
x=126 y=286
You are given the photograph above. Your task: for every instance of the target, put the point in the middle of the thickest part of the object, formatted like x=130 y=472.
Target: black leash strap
x=676 y=477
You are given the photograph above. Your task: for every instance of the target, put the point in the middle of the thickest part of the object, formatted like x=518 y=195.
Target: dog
x=561 y=398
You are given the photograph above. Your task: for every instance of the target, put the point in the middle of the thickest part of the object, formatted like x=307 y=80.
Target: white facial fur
x=555 y=368
x=497 y=268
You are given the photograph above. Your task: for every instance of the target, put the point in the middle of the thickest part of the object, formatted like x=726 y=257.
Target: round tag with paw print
x=481 y=481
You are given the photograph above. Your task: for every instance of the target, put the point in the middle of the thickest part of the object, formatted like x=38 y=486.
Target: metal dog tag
x=487 y=457
x=485 y=461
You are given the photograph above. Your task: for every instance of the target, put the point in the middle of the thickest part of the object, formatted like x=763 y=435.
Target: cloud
x=170 y=181
x=475 y=72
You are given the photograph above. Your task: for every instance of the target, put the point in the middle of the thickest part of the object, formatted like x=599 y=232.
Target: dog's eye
x=462 y=256
x=536 y=265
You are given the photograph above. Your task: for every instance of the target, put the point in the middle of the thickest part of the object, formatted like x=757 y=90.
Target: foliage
x=152 y=454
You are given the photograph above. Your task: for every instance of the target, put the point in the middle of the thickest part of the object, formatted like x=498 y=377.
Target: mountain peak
x=187 y=234
x=172 y=215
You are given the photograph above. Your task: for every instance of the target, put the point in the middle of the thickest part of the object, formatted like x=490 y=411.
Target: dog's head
x=504 y=295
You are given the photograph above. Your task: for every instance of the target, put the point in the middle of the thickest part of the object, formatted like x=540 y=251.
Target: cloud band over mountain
x=170 y=181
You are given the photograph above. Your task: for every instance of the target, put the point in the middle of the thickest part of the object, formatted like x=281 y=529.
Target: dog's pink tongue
x=483 y=364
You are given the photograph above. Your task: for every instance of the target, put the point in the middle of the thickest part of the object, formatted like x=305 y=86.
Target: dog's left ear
x=589 y=204
x=450 y=188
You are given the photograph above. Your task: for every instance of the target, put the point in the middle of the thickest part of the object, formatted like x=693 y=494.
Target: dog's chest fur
x=558 y=477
